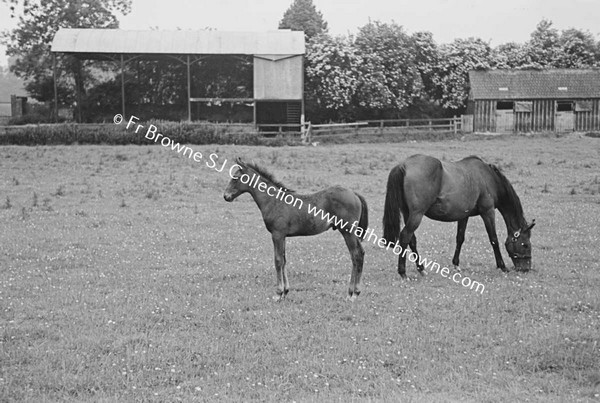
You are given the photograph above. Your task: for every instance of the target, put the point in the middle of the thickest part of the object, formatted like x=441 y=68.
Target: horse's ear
x=530 y=226
x=238 y=160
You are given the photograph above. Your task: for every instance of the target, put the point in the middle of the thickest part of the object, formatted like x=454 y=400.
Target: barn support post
x=302 y=92
x=55 y=111
x=189 y=90
x=78 y=78
x=123 y=86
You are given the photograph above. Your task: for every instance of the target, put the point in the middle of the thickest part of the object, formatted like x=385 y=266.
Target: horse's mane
x=267 y=175
x=510 y=199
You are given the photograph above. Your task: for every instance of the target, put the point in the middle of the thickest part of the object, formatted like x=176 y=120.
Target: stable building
x=278 y=62
x=522 y=101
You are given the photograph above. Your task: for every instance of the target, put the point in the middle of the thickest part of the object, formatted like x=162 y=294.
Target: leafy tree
x=390 y=78
x=549 y=48
x=578 y=49
x=426 y=55
x=451 y=72
x=302 y=15
x=543 y=49
x=332 y=76
x=510 y=55
x=30 y=42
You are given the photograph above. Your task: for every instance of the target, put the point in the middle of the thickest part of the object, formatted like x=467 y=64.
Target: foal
x=288 y=214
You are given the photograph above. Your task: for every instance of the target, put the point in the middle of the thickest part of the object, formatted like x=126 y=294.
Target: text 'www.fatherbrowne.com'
x=253 y=181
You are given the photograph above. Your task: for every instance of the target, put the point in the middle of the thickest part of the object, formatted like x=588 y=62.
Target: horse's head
x=237 y=186
x=518 y=246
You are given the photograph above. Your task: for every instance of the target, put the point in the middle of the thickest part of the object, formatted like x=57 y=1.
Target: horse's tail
x=394 y=203
x=363 y=221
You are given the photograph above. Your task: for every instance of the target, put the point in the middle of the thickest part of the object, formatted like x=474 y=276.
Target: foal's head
x=518 y=246
x=239 y=183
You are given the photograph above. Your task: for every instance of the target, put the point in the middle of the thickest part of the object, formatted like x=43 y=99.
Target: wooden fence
x=454 y=125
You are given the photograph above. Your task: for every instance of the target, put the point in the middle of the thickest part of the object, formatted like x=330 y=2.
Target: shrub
x=111 y=134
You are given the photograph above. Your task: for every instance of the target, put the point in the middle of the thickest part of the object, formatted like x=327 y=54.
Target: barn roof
x=535 y=84
x=117 y=41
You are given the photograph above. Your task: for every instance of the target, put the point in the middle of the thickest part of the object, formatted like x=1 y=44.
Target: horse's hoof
x=279 y=297
x=351 y=298
x=422 y=273
x=504 y=269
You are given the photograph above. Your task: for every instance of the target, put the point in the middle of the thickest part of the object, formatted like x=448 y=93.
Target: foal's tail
x=394 y=203
x=363 y=221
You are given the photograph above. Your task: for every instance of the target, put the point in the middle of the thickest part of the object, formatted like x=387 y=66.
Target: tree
x=543 y=49
x=426 y=55
x=510 y=55
x=390 y=77
x=549 y=48
x=302 y=15
x=578 y=49
x=30 y=42
x=451 y=72
x=332 y=76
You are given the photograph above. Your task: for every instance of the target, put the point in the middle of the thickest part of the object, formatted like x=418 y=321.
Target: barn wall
x=588 y=120
x=542 y=117
x=522 y=122
x=278 y=78
x=484 y=116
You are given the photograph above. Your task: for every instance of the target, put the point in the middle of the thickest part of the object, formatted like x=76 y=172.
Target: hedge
x=113 y=134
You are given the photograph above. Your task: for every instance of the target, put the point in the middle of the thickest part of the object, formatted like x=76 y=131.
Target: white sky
x=494 y=21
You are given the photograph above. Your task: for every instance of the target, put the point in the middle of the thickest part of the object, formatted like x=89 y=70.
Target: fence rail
x=381 y=126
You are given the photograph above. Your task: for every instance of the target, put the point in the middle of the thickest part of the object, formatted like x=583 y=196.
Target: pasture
x=125 y=276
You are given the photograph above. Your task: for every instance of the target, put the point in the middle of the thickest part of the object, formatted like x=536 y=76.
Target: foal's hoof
x=504 y=269
x=457 y=268
x=352 y=297
x=422 y=272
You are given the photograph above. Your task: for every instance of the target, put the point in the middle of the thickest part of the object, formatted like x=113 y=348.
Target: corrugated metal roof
x=535 y=84
x=115 y=41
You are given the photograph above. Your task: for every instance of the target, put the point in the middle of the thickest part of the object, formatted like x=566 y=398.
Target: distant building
x=277 y=56
x=521 y=101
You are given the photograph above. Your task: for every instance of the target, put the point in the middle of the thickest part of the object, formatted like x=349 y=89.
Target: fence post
x=454 y=124
x=381 y=127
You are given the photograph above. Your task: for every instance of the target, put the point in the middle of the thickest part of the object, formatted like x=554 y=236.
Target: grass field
x=125 y=276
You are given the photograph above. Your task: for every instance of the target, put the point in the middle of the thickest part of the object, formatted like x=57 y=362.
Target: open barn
x=277 y=56
x=522 y=101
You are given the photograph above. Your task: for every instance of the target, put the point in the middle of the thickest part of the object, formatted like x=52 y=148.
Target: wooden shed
x=278 y=58
x=520 y=101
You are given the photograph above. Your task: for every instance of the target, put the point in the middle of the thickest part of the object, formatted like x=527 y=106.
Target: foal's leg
x=490 y=226
x=406 y=235
x=282 y=282
x=413 y=247
x=357 y=254
x=460 y=238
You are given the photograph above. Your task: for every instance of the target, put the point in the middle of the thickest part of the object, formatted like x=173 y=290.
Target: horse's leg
x=357 y=254
x=413 y=247
x=406 y=235
x=460 y=238
x=490 y=226
x=279 y=249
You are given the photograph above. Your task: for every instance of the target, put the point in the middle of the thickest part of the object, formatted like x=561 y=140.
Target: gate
x=505 y=121
x=564 y=121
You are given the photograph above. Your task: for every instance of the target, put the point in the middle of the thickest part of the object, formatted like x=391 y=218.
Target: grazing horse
x=287 y=214
x=454 y=191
